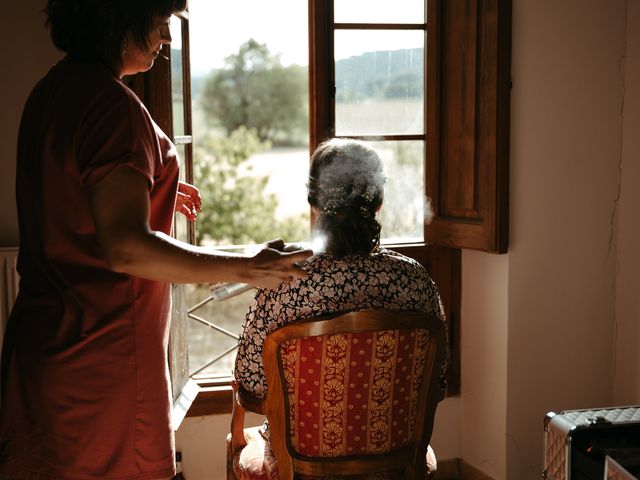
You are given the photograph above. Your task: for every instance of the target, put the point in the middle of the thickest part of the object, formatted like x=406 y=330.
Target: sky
x=219 y=27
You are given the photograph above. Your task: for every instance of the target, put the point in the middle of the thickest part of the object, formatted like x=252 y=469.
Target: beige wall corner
x=27 y=53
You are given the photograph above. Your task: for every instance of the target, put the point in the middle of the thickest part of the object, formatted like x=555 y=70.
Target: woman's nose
x=165 y=34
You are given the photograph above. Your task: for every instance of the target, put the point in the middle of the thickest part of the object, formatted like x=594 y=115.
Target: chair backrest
x=353 y=393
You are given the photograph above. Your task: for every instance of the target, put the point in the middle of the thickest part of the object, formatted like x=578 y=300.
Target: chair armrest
x=242 y=401
x=237 y=422
x=248 y=401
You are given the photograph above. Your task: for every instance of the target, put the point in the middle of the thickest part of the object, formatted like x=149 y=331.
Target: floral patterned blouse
x=385 y=279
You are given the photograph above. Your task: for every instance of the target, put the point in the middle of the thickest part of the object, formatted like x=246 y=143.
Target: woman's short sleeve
x=116 y=131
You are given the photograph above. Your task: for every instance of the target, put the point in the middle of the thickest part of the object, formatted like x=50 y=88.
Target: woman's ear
x=314 y=215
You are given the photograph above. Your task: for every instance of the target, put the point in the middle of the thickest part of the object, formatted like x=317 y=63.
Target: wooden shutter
x=468 y=89
x=154 y=88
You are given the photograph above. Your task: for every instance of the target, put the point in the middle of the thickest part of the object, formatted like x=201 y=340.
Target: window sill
x=214 y=397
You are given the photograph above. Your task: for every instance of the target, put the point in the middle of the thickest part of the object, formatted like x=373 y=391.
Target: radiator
x=8 y=284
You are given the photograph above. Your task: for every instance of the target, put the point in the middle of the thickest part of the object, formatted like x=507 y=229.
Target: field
x=377 y=117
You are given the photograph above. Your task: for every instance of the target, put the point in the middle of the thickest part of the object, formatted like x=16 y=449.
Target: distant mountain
x=386 y=74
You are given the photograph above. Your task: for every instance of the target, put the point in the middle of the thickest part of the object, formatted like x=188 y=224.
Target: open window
x=425 y=81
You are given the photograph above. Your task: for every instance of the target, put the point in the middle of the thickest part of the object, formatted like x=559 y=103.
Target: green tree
x=255 y=90
x=236 y=209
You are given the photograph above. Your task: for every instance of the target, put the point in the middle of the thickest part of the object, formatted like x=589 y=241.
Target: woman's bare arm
x=120 y=208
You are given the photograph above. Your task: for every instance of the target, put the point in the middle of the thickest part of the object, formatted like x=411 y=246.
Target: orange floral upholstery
x=347 y=394
x=353 y=394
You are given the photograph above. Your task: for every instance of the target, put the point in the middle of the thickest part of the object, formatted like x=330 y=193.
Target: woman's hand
x=278 y=244
x=274 y=265
x=188 y=201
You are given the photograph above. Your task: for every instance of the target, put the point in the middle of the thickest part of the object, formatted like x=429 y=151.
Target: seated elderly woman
x=350 y=272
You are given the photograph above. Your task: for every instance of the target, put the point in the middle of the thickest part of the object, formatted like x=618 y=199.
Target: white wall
x=484 y=330
x=202 y=442
x=566 y=137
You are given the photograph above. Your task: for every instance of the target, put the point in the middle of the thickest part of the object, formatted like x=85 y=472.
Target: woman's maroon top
x=85 y=384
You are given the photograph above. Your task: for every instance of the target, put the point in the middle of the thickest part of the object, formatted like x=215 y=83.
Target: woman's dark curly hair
x=346 y=186
x=96 y=29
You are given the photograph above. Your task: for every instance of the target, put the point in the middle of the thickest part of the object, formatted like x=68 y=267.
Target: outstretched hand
x=188 y=201
x=274 y=265
x=278 y=244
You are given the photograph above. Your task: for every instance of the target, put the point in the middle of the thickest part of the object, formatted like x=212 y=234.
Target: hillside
x=382 y=74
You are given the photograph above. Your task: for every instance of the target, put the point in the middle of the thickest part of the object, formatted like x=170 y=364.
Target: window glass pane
x=379 y=11
x=250 y=119
x=181 y=227
x=403 y=212
x=177 y=81
x=181 y=224
x=206 y=343
x=249 y=83
x=379 y=82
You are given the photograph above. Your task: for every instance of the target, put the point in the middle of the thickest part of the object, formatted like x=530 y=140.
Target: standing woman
x=85 y=385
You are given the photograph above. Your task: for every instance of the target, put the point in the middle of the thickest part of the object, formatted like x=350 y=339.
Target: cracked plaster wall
x=627 y=226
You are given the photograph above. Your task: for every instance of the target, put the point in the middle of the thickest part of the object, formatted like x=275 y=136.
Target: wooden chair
x=348 y=394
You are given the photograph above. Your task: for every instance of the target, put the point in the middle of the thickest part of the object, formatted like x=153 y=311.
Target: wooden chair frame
x=411 y=458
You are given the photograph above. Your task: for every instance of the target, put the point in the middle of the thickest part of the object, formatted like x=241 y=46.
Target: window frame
x=155 y=89
x=485 y=26
x=442 y=262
